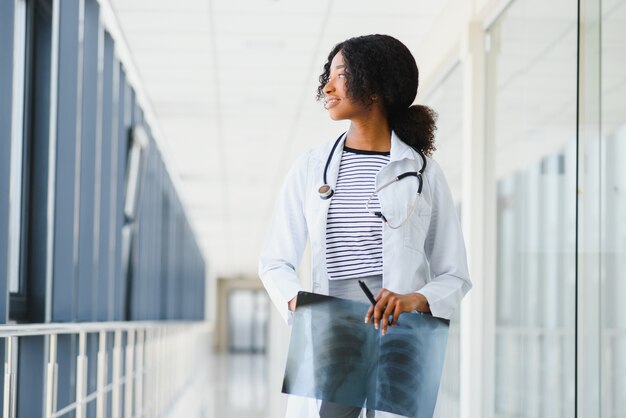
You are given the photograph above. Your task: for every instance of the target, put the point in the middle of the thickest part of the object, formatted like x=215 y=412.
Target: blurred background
x=142 y=146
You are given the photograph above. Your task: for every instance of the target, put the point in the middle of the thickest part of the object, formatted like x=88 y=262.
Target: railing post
x=81 y=375
x=6 y=396
x=10 y=365
x=178 y=371
x=139 y=374
x=51 y=377
x=149 y=375
x=168 y=381
x=117 y=372
x=156 y=371
x=129 y=381
x=162 y=370
x=102 y=375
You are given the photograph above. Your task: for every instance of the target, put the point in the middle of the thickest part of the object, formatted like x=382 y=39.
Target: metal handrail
x=30 y=330
x=165 y=351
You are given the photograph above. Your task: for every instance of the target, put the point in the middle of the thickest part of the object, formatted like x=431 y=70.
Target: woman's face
x=336 y=99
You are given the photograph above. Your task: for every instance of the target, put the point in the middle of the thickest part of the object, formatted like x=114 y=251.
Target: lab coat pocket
x=416 y=227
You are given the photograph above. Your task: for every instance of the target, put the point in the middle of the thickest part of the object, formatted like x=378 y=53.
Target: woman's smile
x=330 y=102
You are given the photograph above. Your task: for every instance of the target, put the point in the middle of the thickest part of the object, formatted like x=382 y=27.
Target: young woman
x=373 y=204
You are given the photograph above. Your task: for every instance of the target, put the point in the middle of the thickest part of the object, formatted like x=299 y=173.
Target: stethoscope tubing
x=326 y=192
x=330 y=156
x=389 y=183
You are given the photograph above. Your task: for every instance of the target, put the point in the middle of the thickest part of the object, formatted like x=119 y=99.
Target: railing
x=151 y=363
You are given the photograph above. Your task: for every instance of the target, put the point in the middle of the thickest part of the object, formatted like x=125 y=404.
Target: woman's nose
x=328 y=88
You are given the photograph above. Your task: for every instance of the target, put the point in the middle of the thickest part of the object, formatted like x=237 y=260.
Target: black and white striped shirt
x=354 y=237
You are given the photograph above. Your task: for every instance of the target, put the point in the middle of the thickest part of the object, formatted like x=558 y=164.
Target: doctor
x=372 y=202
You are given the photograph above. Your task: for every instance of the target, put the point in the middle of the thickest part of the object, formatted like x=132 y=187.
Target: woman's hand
x=393 y=304
x=292 y=303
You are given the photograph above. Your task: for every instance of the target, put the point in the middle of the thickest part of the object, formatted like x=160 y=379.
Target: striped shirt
x=354 y=237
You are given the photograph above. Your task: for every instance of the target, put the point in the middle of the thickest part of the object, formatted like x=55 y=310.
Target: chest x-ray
x=334 y=356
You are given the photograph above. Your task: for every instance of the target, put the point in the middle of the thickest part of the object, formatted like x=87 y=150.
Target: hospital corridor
x=184 y=205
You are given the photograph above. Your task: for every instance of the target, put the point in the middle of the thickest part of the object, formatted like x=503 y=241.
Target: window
x=27 y=292
x=531 y=134
x=611 y=220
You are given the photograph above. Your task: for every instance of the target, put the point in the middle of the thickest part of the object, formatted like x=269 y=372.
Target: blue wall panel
x=64 y=286
x=86 y=274
x=107 y=244
x=122 y=146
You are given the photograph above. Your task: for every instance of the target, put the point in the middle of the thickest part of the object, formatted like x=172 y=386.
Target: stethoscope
x=326 y=192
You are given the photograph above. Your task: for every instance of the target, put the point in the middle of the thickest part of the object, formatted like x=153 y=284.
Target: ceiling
x=232 y=87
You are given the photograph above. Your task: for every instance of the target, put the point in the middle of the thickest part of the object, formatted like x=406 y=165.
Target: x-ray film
x=335 y=357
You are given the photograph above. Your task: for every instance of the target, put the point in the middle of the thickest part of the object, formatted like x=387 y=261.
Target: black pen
x=369 y=295
x=367 y=292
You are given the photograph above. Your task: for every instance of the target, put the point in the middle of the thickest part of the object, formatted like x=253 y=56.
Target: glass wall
x=602 y=205
x=612 y=180
x=531 y=126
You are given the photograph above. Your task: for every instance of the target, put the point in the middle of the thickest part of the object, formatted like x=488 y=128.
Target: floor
x=232 y=386
x=245 y=386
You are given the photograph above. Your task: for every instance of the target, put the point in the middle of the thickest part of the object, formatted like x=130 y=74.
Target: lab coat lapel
x=318 y=242
x=400 y=150
x=397 y=199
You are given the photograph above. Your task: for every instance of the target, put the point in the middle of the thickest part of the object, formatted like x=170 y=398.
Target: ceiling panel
x=127 y=6
x=388 y=9
x=267 y=7
x=275 y=24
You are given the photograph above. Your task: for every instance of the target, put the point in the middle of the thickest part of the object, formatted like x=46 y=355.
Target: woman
x=401 y=236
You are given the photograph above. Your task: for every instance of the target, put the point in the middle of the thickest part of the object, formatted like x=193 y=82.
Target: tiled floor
x=240 y=384
x=247 y=386
x=232 y=386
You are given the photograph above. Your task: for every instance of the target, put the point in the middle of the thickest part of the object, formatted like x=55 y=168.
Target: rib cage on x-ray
x=335 y=357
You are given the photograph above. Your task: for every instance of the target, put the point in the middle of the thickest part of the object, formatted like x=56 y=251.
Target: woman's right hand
x=292 y=303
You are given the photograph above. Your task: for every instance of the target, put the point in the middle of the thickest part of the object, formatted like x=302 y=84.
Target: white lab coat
x=425 y=254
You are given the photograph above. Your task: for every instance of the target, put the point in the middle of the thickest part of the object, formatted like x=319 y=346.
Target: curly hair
x=382 y=65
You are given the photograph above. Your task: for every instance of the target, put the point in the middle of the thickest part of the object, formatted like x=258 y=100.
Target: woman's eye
x=342 y=75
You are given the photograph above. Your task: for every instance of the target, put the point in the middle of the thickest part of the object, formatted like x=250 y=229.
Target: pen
x=369 y=295
x=367 y=292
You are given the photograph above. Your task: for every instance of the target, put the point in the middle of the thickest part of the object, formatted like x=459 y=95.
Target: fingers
x=292 y=303
x=387 y=310
x=390 y=307
x=373 y=311
x=396 y=315
x=369 y=313
x=381 y=302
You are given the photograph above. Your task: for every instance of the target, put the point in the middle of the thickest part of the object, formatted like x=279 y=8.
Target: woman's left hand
x=393 y=304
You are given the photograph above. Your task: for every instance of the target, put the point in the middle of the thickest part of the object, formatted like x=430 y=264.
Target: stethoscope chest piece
x=325 y=191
